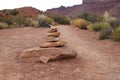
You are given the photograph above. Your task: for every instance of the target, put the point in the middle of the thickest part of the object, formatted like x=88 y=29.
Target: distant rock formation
x=90 y=6
x=98 y=1
x=29 y=11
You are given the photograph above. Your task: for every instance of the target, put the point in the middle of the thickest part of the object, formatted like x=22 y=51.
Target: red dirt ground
x=96 y=59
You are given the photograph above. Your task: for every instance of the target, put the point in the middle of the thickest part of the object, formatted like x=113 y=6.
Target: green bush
x=34 y=23
x=19 y=20
x=14 y=25
x=45 y=21
x=28 y=22
x=96 y=27
x=105 y=33
x=80 y=23
x=31 y=22
x=50 y=21
x=90 y=27
x=3 y=25
x=6 y=20
x=115 y=23
x=101 y=26
x=116 y=34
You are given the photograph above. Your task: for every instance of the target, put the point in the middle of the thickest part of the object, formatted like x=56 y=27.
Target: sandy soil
x=96 y=59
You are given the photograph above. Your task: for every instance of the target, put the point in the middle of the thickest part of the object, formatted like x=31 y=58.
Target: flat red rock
x=54 y=34
x=53 y=44
x=46 y=54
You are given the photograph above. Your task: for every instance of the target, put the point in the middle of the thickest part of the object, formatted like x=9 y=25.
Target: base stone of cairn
x=46 y=54
x=53 y=49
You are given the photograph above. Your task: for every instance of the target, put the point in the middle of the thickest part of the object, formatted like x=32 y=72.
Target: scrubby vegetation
x=45 y=21
x=90 y=26
x=60 y=19
x=107 y=25
x=116 y=34
x=12 y=19
x=101 y=26
x=80 y=23
x=115 y=23
x=3 y=25
x=18 y=21
x=105 y=33
x=91 y=17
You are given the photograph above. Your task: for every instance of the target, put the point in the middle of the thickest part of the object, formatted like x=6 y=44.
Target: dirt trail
x=96 y=60
x=100 y=63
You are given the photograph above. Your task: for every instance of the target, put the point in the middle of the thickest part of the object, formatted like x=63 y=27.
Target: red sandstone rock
x=53 y=44
x=90 y=6
x=46 y=54
x=52 y=39
x=53 y=29
x=55 y=34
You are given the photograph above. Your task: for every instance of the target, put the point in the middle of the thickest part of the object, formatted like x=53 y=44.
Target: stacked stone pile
x=53 y=39
x=53 y=49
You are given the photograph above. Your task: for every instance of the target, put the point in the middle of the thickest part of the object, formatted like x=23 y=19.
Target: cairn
x=53 y=39
x=48 y=51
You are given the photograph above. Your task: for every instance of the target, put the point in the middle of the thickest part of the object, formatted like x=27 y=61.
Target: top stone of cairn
x=53 y=29
x=53 y=32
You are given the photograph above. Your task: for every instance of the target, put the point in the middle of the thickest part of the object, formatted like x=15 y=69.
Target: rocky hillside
x=29 y=11
x=24 y=11
x=91 y=6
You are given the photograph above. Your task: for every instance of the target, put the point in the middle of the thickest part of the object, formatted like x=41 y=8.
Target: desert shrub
x=6 y=20
x=45 y=21
x=80 y=23
x=116 y=34
x=61 y=19
x=101 y=26
x=107 y=17
x=115 y=23
x=16 y=21
x=35 y=23
x=3 y=25
x=90 y=27
x=105 y=33
x=20 y=20
x=50 y=21
x=91 y=17
x=28 y=22
x=31 y=22
x=14 y=25
x=14 y=12
x=96 y=27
